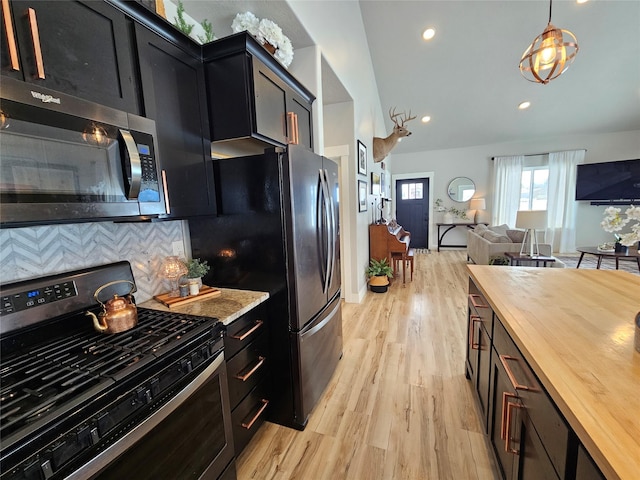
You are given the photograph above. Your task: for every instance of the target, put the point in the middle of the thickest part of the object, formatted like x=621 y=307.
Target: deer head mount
x=382 y=146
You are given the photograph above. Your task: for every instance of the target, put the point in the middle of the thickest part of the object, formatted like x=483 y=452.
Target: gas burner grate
x=38 y=379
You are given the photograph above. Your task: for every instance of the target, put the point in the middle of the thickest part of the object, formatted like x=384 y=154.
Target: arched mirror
x=461 y=189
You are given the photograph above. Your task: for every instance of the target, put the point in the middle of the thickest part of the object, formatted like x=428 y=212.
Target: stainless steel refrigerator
x=279 y=217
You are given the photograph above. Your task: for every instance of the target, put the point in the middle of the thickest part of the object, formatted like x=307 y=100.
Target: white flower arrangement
x=614 y=222
x=265 y=31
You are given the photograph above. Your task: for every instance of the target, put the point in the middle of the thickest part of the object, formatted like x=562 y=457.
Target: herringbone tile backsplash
x=45 y=250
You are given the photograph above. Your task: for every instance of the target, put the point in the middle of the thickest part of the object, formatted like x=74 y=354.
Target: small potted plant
x=196 y=269
x=379 y=273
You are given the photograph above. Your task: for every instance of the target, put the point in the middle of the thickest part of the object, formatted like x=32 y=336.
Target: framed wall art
x=375 y=183
x=362 y=158
x=383 y=186
x=362 y=196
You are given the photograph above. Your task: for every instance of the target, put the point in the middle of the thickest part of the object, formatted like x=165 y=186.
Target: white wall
x=344 y=47
x=476 y=163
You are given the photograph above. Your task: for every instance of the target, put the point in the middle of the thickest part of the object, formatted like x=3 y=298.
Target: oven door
x=189 y=437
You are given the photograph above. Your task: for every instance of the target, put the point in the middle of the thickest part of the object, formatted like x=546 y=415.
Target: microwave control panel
x=149 y=184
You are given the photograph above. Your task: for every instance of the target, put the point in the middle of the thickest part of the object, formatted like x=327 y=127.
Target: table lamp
x=477 y=204
x=173 y=268
x=531 y=220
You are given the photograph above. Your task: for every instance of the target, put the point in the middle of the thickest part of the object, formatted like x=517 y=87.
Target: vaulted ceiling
x=467 y=79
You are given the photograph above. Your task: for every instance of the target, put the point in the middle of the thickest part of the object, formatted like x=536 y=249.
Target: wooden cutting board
x=205 y=292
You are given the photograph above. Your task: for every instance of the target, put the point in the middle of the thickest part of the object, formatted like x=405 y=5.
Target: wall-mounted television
x=609 y=180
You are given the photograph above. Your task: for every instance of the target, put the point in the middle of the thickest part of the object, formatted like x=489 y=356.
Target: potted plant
x=196 y=269
x=499 y=260
x=379 y=273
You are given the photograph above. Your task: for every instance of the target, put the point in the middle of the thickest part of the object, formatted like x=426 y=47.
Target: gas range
x=67 y=392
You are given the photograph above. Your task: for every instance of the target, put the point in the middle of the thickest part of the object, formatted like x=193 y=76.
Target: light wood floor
x=398 y=406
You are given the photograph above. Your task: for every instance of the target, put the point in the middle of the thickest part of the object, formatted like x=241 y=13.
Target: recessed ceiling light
x=425 y=119
x=524 y=105
x=428 y=34
x=582 y=1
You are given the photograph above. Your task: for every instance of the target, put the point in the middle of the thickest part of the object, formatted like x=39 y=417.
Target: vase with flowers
x=614 y=221
x=268 y=33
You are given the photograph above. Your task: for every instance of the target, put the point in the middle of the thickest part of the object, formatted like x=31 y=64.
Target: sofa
x=487 y=242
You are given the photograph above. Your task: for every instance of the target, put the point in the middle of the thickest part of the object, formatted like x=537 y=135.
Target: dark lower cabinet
x=174 y=96
x=517 y=446
x=81 y=48
x=516 y=432
x=478 y=362
x=530 y=438
x=248 y=372
x=586 y=469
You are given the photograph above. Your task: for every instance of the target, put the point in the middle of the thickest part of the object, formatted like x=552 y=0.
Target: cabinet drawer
x=543 y=415
x=479 y=306
x=247 y=417
x=247 y=369
x=244 y=330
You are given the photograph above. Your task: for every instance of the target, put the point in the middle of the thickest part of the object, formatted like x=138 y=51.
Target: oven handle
x=122 y=445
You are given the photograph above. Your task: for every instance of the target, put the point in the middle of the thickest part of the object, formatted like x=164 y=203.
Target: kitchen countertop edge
x=230 y=305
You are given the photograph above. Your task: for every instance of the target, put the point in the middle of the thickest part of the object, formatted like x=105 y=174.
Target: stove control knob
x=95 y=436
x=47 y=469
x=185 y=365
x=204 y=351
x=155 y=386
x=143 y=395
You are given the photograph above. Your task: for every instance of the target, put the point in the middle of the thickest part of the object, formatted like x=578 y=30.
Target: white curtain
x=507 y=174
x=561 y=204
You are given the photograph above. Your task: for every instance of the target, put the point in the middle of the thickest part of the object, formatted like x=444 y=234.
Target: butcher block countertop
x=576 y=330
x=227 y=307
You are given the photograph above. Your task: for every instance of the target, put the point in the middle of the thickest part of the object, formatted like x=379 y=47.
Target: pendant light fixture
x=549 y=55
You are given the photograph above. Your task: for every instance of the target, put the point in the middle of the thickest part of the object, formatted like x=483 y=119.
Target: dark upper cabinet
x=254 y=101
x=174 y=95
x=78 y=48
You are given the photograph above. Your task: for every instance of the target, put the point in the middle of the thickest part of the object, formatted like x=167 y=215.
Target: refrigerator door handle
x=322 y=217
x=332 y=227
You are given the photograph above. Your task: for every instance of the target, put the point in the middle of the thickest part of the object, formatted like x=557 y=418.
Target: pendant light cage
x=549 y=55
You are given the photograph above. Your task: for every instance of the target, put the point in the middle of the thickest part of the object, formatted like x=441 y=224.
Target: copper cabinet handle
x=292 y=125
x=504 y=427
x=241 y=337
x=472 y=324
x=504 y=359
x=246 y=376
x=507 y=436
x=11 y=37
x=167 y=206
x=250 y=423
x=35 y=36
x=473 y=298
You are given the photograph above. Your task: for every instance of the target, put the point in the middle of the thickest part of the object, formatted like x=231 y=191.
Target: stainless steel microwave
x=63 y=160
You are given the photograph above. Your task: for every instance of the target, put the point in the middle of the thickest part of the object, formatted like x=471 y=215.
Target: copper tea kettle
x=118 y=313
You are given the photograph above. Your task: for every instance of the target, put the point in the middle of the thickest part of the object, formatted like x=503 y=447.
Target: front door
x=412 y=209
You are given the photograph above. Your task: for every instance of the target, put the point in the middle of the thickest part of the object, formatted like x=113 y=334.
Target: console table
x=450 y=226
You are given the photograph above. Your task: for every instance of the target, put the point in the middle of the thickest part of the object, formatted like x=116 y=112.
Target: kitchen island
x=230 y=305
x=575 y=329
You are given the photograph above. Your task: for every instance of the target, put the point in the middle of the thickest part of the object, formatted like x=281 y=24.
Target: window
x=411 y=191
x=533 y=188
